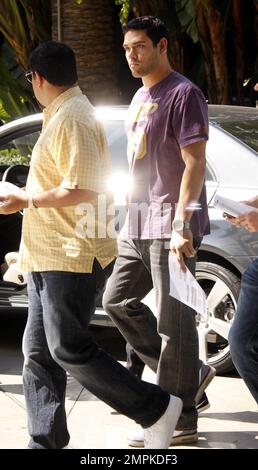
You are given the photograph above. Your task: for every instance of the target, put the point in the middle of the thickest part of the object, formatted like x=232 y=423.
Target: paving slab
x=230 y=423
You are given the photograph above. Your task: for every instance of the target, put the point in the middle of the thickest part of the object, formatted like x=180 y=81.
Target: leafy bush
x=13 y=157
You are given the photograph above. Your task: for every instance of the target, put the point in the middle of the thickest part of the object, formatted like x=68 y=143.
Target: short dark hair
x=154 y=27
x=56 y=62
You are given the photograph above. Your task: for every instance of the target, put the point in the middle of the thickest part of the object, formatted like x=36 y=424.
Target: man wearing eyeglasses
x=69 y=166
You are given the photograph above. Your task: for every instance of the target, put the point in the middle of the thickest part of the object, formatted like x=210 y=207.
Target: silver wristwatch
x=180 y=225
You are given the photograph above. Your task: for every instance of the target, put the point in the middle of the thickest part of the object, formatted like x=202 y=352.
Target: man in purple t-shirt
x=163 y=119
x=167 y=130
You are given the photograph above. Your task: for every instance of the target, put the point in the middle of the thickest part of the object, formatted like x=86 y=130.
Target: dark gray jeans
x=56 y=340
x=141 y=265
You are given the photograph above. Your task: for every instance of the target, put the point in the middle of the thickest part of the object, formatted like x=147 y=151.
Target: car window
x=246 y=130
x=18 y=151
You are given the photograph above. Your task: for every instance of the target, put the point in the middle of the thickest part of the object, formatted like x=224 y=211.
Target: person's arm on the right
x=253 y=202
x=249 y=220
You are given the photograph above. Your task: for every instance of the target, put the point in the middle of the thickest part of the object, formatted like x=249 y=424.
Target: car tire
x=222 y=290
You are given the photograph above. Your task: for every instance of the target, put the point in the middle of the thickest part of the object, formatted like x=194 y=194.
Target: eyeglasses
x=29 y=76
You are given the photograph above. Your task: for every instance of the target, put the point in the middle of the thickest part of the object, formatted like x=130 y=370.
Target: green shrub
x=13 y=157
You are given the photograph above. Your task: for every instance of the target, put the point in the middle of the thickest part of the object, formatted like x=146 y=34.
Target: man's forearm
x=190 y=189
x=57 y=197
x=192 y=179
x=61 y=197
x=253 y=202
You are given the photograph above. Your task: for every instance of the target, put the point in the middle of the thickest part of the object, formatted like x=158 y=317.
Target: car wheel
x=222 y=289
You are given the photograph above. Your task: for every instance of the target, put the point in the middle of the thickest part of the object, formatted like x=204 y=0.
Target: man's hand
x=13 y=203
x=249 y=221
x=181 y=244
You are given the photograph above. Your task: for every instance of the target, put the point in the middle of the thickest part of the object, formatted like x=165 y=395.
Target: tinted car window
x=240 y=122
x=244 y=130
x=18 y=151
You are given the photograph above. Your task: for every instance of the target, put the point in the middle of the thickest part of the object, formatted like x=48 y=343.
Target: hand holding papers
x=185 y=288
x=8 y=188
x=230 y=207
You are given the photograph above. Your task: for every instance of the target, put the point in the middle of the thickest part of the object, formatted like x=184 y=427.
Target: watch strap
x=186 y=224
x=179 y=225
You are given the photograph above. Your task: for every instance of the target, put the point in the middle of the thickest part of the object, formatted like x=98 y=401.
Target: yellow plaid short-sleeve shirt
x=72 y=153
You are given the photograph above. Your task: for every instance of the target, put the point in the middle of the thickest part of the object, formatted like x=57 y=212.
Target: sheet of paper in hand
x=8 y=188
x=231 y=207
x=184 y=287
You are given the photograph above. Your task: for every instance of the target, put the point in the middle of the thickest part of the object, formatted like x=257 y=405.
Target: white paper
x=185 y=288
x=230 y=206
x=8 y=188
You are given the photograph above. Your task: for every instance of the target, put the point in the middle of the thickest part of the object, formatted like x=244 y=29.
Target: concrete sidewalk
x=230 y=422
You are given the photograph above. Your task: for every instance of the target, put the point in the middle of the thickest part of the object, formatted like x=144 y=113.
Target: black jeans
x=168 y=344
x=56 y=340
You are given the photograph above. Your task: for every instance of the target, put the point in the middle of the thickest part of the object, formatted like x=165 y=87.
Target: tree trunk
x=238 y=50
x=88 y=29
x=211 y=32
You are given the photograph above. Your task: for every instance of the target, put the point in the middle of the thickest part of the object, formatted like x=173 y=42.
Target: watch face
x=178 y=225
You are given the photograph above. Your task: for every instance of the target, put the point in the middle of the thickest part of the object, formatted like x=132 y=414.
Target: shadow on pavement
x=240 y=416
x=228 y=440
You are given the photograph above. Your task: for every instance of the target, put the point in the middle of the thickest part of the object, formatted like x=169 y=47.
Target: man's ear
x=163 y=45
x=39 y=79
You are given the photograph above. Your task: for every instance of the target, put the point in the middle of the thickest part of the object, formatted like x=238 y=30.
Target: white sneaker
x=184 y=437
x=14 y=273
x=158 y=436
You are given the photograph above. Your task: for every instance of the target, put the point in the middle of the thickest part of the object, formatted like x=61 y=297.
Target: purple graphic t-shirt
x=162 y=119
